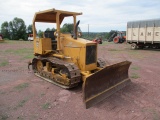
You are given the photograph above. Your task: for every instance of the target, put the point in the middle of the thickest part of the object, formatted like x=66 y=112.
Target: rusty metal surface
x=105 y=82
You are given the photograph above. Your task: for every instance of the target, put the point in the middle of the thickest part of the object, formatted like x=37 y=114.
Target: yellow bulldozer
x=67 y=60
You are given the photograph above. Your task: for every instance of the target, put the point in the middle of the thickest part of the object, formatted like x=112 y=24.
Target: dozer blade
x=105 y=82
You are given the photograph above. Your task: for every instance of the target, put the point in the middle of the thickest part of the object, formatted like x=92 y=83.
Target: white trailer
x=143 y=33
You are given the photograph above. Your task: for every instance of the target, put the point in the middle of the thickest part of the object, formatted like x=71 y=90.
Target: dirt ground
x=24 y=96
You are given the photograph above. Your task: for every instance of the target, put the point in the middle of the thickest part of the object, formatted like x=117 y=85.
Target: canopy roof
x=144 y=23
x=50 y=15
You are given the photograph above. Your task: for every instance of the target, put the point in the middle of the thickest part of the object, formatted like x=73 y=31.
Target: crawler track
x=70 y=69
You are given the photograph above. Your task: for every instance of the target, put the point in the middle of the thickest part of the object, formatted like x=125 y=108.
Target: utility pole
x=88 y=30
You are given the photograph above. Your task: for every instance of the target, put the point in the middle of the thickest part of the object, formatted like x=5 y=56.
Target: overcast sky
x=100 y=15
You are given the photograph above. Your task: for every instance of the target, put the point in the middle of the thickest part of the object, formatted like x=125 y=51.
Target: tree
x=40 y=33
x=5 y=30
x=111 y=33
x=29 y=29
x=17 y=28
x=68 y=27
x=48 y=29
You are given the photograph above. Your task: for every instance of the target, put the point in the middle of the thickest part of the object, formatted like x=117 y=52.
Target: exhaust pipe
x=76 y=29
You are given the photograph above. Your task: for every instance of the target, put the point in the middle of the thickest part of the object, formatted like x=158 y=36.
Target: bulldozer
x=67 y=60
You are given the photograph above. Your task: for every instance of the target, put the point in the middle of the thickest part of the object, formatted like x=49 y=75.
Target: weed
x=42 y=94
x=46 y=105
x=4 y=63
x=4 y=117
x=112 y=49
x=135 y=68
x=29 y=56
x=21 y=103
x=22 y=86
x=135 y=76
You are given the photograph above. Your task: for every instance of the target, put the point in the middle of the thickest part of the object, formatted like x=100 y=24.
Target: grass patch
x=135 y=68
x=4 y=63
x=21 y=104
x=42 y=94
x=19 y=51
x=46 y=105
x=133 y=52
x=29 y=56
x=155 y=115
x=4 y=117
x=21 y=86
x=135 y=76
x=25 y=53
x=113 y=49
x=16 y=41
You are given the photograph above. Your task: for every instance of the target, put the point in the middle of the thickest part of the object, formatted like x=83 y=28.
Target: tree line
x=17 y=30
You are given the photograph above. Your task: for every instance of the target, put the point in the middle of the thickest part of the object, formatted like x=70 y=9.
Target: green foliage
x=135 y=68
x=46 y=105
x=20 y=104
x=111 y=49
x=112 y=32
x=4 y=63
x=4 y=117
x=135 y=76
x=94 y=35
x=29 y=29
x=5 y=30
x=28 y=56
x=67 y=28
x=19 y=51
x=5 y=38
x=42 y=94
x=22 y=86
x=40 y=33
x=48 y=29
x=17 y=28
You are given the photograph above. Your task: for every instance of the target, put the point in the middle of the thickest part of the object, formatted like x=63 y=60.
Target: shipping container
x=143 y=33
